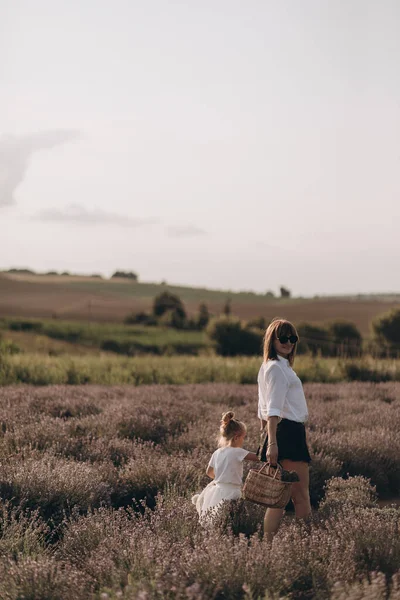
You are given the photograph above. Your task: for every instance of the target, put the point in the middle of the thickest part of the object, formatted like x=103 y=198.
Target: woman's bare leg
x=300 y=498
x=272 y=520
x=300 y=489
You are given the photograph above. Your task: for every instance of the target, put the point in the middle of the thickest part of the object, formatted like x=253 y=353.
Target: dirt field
x=85 y=298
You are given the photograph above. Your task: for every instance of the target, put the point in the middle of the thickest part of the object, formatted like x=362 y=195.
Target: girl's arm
x=252 y=456
x=210 y=472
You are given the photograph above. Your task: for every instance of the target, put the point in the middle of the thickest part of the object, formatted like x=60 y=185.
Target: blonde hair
x=230 y=428
x=275 y=329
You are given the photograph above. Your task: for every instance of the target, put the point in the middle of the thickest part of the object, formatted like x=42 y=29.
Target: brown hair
x=275 y=329
x=230 y=427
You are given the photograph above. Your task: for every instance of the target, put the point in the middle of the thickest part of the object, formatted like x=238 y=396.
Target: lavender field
x=95 y=487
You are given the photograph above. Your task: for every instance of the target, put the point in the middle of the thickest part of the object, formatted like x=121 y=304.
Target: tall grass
x=40 y=369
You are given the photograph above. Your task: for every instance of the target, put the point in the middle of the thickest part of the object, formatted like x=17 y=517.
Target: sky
x=214 y=143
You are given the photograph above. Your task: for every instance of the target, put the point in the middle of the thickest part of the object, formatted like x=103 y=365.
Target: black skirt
x=291 y=440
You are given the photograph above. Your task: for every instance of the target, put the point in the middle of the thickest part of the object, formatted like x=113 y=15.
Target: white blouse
x=280 y=392
x=227 y=463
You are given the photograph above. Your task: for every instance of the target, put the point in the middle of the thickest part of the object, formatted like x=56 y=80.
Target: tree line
x=116 y=275
x=233 y=336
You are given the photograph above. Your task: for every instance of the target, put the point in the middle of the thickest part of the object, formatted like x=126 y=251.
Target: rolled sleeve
x=277 y=387
x=262 y=404
x=262 y=413
x=262 y=395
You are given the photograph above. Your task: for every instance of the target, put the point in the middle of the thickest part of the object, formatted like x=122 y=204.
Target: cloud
x=74 y=213
x=185 y=231
x=16 y=152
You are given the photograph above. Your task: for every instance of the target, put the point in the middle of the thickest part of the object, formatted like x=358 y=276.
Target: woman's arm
x=277 y=388
x=210 y=472
x=272 y=448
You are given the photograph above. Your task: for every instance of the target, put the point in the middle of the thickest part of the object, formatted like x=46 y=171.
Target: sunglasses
x=284 y=339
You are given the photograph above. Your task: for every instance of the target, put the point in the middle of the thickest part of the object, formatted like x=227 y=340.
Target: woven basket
x=262 y=487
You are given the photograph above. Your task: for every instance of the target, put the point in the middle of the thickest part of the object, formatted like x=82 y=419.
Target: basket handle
x=278 y=468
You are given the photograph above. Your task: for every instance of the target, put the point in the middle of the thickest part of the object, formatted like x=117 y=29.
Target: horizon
x=105 y=277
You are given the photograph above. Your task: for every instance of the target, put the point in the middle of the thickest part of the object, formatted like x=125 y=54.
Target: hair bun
x=228 y=416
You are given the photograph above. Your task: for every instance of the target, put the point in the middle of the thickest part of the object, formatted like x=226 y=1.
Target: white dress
x=227 y=463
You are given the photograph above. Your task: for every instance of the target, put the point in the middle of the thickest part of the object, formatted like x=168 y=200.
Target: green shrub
x=25 y=325
x=314 y=339
x=22 y=271
x=227 y=308
x=226 y=333
x=338 y=338
x=125 y=275
x=203 y=316
x=346 y=339
x=257 y=323
x=387 y=331
x=285 y=293
x=166 y=301
x=251 y=342
x=173 y=318
x=232 y=339
x=360 y=372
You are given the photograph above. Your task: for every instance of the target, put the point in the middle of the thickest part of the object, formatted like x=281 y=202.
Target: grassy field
x=85 y=298
x=109 y=369
x=129 y=340
x=95 y=487
x=43 y=352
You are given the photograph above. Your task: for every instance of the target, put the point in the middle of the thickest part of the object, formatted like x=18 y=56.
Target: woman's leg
x=272 y=520
x=300 y=498
x=300 y=489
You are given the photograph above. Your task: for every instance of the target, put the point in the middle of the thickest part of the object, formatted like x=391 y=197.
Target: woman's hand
x=272 y=454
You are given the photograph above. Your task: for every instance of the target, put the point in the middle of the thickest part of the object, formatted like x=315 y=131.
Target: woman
x=282 y=410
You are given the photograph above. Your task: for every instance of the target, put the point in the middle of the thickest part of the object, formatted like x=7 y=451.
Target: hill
x=95 y=299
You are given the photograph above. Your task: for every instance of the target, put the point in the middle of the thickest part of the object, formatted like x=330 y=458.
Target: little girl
x=225 y=467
